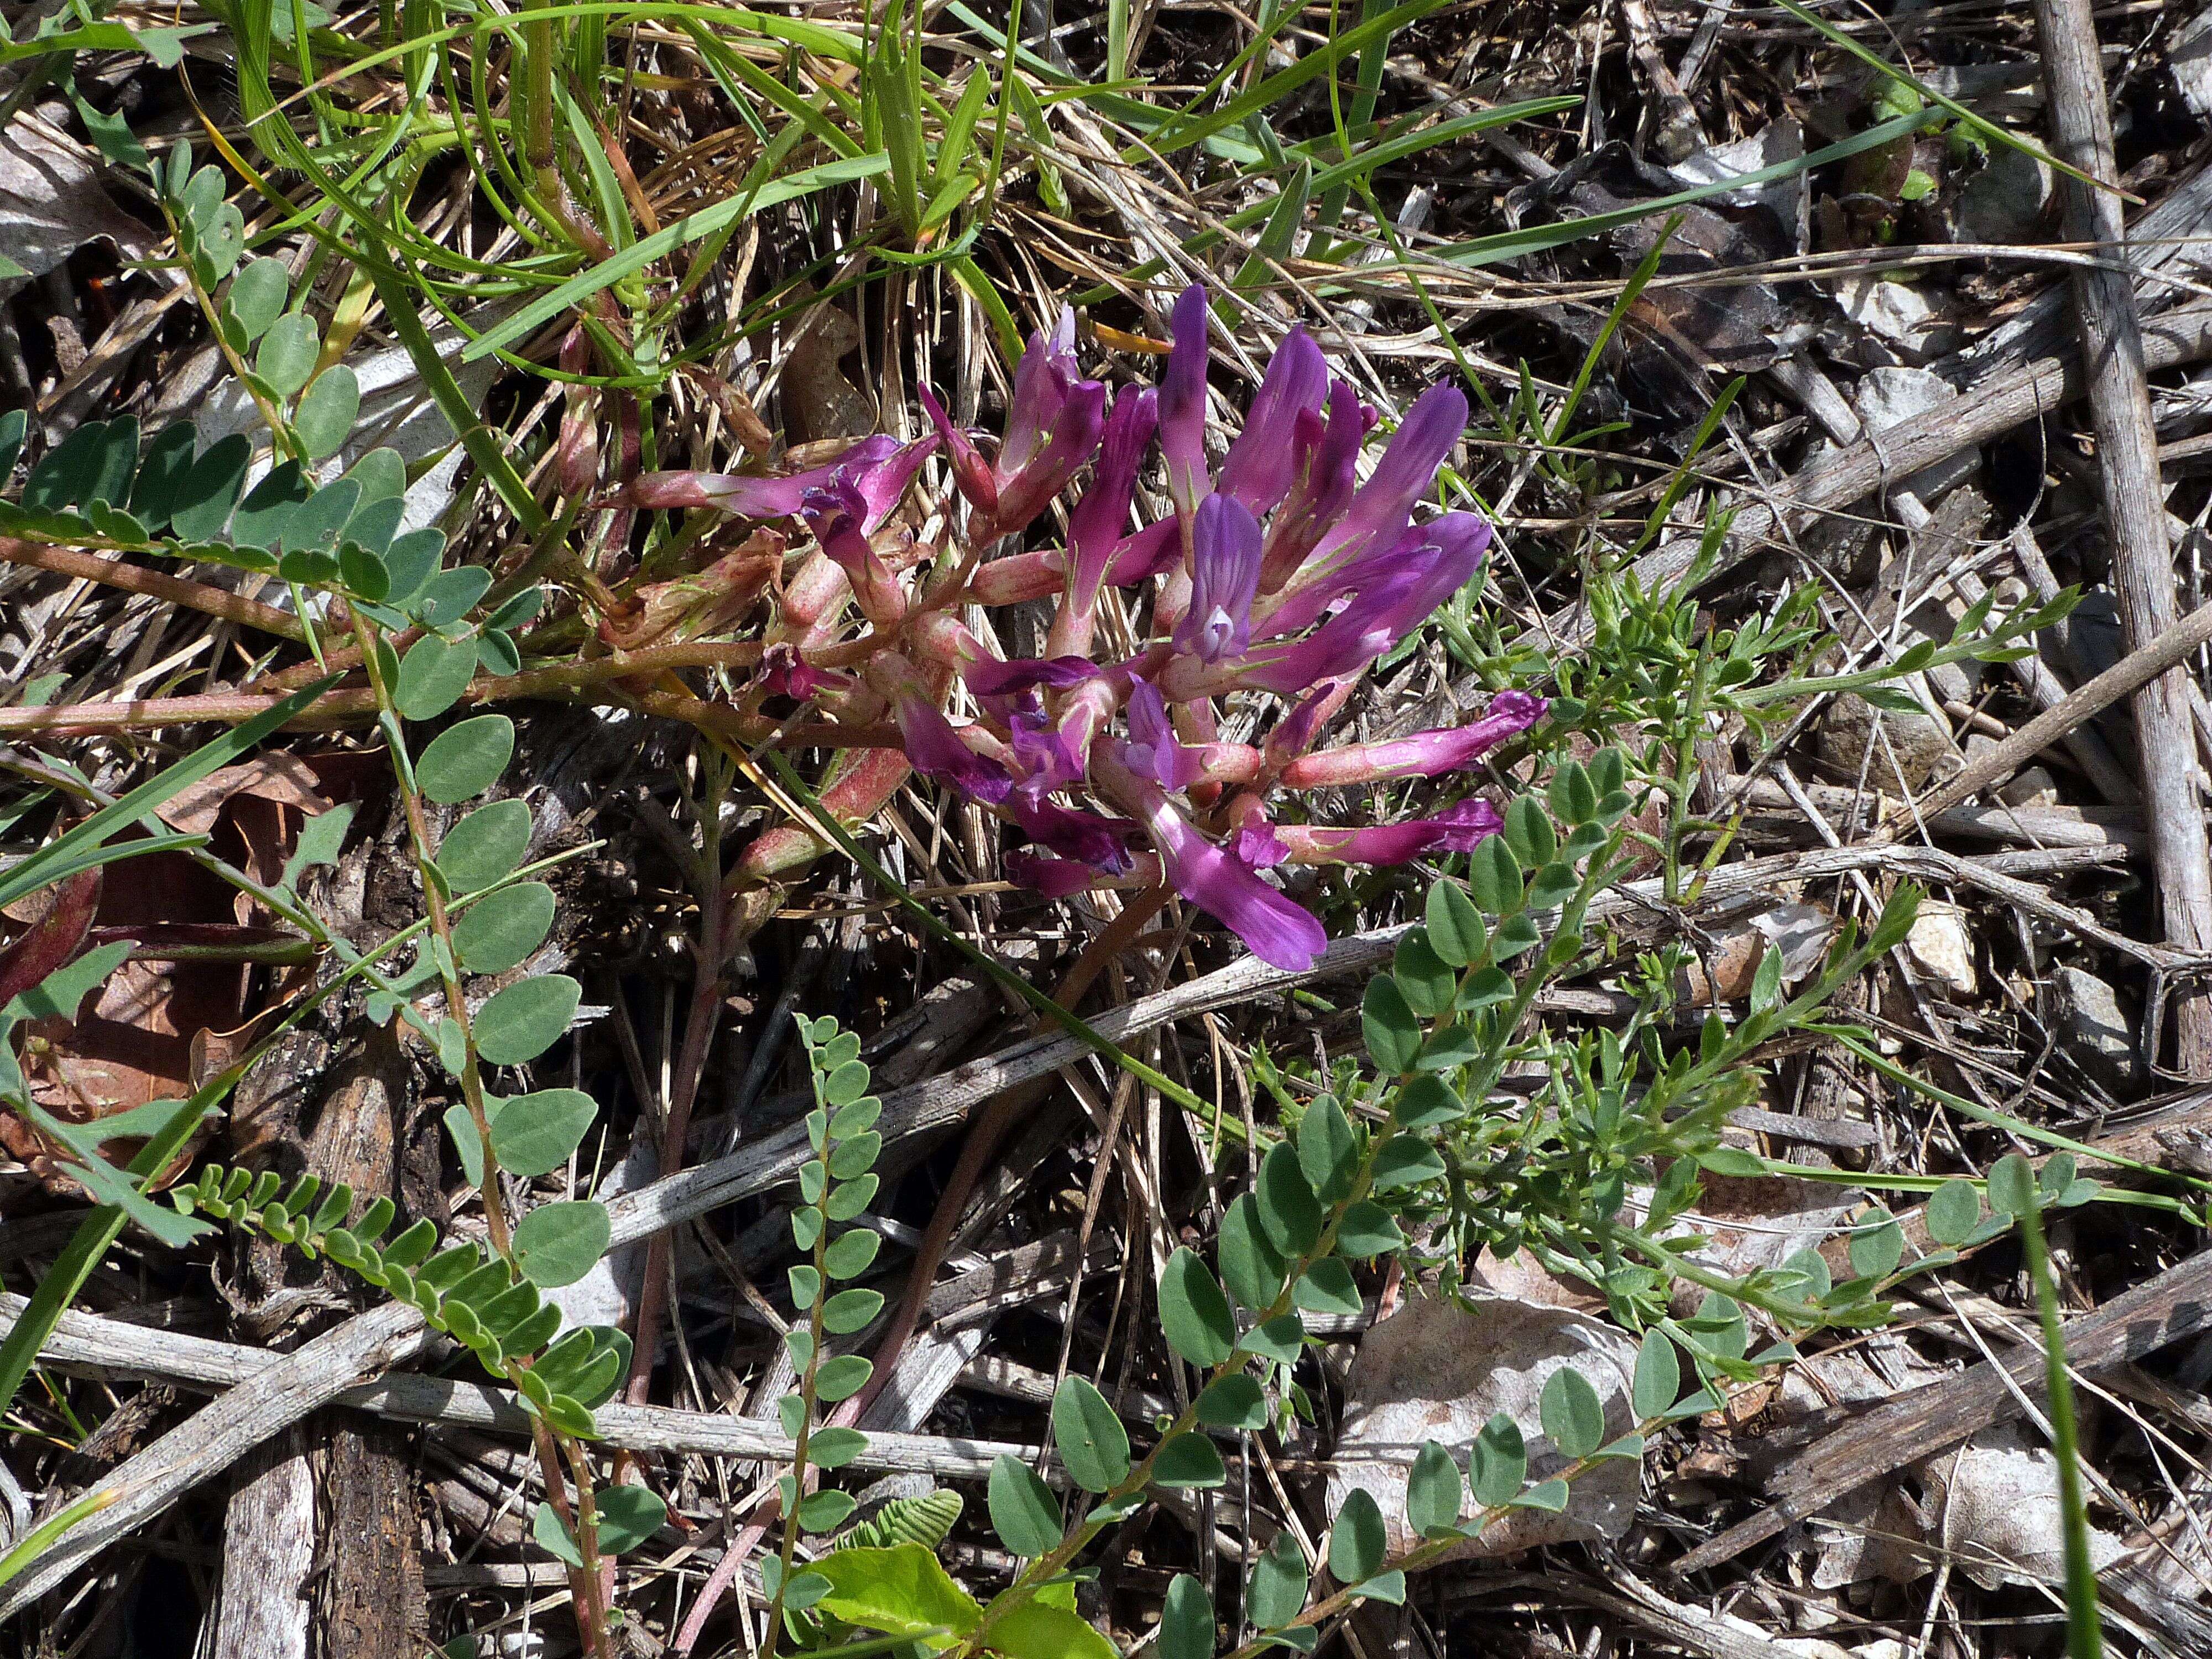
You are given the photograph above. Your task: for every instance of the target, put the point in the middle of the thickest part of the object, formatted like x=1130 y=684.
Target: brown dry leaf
x=2003 y=1521
x=1440 y=1371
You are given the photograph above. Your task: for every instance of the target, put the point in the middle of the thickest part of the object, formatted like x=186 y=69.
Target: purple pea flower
x=1224 y=564
x=880 y=467
x=1100 y=842
x=784 y=673
x=835 y=512
x=1052 y=427
x=1153 y=752
x=1045 y=756
x=1424 y=754
x=987 y=677
x=1263 y=464
x=1457 y=829
x=1323 y=456
x=1257 y=847
x=1280 y=932
x=1422 y=571
x=1056 y=878
x=1377 y=514
x=936 y=750
x=1094 y=529
x=1182 y=403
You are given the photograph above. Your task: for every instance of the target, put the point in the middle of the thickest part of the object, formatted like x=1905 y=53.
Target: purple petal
x=969 y=471
x=987 y=677
x=1183 y=401
x=1155 y=549
x=1424 y=754
x=1094 y=529
x=1153 y=752
x=1044 y=754
x=1378 y=513
x=1042 y=381
x=1224 y=580
x=834 y=512
x=1076 y=426
x=783 y=673
x=1100 y=842
x=1054 y=877
x=1257 y=847
x=1324 y=457
x=1262 y=463
x=749 y=497
x=1280 y=932
x=1399 y=592
x=883 y=483
x=1457 y=829
x=936 y=749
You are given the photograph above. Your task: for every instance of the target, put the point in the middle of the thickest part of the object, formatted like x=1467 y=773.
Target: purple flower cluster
x=1278 y=573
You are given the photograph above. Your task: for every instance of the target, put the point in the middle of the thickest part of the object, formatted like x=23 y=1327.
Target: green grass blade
x=59 y=854
x=2085 y=1635
x=691 y=228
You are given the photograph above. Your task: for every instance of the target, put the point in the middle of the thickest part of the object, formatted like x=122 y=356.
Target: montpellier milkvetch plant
x=1279 y=574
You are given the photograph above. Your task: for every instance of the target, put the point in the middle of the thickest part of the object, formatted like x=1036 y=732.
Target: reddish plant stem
x=157 y=584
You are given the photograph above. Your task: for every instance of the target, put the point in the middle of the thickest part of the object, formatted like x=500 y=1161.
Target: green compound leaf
x=1393 y=1036
x=500 y=930
x=1251 y=1265
x=1329 y=1151
x=1405 y=1161
x=257 y=297
x=1328 y=1288
x=465 y=760
x=1658 y=1377
x=552 y=1534
x=557 y=1244
x=1288 y=1209
x=627 y=1516
x=842 y=1378
x=1276 y=1591
x=484 y=846
x=1954 y=1210
x=1186 y=1620
x=1194 y=1313
x=1189 y=1460
x=1356 y=1543
x=523 y=1020
x=1368 y=1229
x=1023 y=1511
x=1455 y=929
x=1498 y=1462
x=1433 y=1491
x=1572 y=1414
x=1089 y=1435
x=533 y=1134
x=1235 y=1402
x=852 y=1254
x=433 y=675
x=325 y=417
x=826 y=1510
x=833 y=1448
x=1426 y=979
x=850 y=1311
x=286 y=355
x=1038 y=1630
